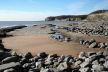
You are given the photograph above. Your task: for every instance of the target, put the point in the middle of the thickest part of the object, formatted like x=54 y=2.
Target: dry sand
x=43 y=43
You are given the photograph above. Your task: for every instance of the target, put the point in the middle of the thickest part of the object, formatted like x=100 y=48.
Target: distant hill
x=99 y=15
x=96 y=15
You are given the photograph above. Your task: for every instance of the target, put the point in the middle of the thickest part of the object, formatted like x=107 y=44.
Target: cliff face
x=67 y=18
x=96 y=15
x=100 y=15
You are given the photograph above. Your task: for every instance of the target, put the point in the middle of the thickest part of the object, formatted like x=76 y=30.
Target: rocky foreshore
x=3 y=31
x=90 y=61
x=85 y=62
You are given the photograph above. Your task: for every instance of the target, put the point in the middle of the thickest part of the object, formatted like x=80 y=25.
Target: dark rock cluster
x=3 y=31
x=96 y=31
x=93 y=44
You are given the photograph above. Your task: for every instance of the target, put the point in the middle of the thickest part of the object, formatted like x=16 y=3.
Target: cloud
x=24 y=16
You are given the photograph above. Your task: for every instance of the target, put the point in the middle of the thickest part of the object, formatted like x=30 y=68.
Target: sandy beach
x=34 y=40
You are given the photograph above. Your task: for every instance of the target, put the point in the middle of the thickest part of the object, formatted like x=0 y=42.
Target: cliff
x=67 y=18
x=94 y=16
x=100 y=15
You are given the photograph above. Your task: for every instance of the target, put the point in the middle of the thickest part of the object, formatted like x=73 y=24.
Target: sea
x=30 y=23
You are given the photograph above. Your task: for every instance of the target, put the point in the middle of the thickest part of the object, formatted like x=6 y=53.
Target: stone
x=91 y=53
x=92 y=41
x=85 y=64
x=10 y=59
x=9 y=65
x=47 y=70
x=52 y=55
x=39 y=65
x=9 y=70
x=98 y=67
x=85 y=69
x=28 y=55
x=106 y=64
x=102 y=45
x=62 y=66
x=82 y=55
x=81 y=42
x=78 y=63
x=106 y=34
x=105 y=53
x=96 y=62
x=93 y=45
x=42 y=55
x=99 y=53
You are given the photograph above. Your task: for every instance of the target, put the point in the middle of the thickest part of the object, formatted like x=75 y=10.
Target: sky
x=36 y=10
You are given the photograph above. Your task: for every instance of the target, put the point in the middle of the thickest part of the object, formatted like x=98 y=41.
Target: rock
x=91 y=53
x=1 y=53
x=98 y=67
x=81 y=42
x=96 y=62
x=10 y=70
x=106 y=34
x=93 y=45
x=42 y=55
x=82 y=55
x=67 y=39
x=28 y=55
x=39 y=65
x=85 y=64
x=78 y=63
x=63 y=66
x=68 y=58
x=100 y=53
x=47 y=70
x=27 y=65
x=101 y=45
x=85 y=69
x=9 y=65
x=10 y=59
x=52 y=55
x=0 y=40
x=106 y=64
x=105 y=53
x=92 y=41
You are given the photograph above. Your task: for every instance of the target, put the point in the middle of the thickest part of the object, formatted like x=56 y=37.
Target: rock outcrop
x=99 y=15
x=67 y=18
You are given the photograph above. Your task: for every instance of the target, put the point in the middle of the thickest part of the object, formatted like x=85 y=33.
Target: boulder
x=47 y=70
x=63 y=66
x=91 y=53
x=85 y=69
x=92 y=41
x=42 y=55
x=52 y=55
x=9 y=65
x=39 y=65
x=93 y=45
x=85 y=64
x=10 y=70
x=105 y=53
x=82 y=55
x=10 y=59
x=98 y=68
x=28 y=55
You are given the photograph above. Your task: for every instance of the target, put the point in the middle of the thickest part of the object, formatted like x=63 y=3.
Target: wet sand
x=43 y=43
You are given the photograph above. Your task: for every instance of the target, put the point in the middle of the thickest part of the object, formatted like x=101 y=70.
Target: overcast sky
x=36 y=10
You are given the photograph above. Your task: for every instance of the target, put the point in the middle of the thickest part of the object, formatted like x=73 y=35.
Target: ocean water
x=30 y=23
